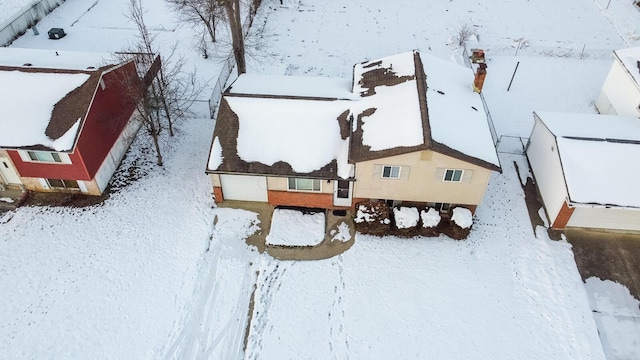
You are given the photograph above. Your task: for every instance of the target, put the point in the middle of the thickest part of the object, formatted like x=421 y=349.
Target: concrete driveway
x=326 y=249
x=607 y=255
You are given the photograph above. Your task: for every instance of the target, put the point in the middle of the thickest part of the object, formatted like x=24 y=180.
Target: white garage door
x=245 y=188
x=602 y=218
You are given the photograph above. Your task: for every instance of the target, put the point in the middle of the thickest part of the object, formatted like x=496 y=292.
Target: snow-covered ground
x=148 y=274
x=500 y=294
x=12 y=8
x=617 y=314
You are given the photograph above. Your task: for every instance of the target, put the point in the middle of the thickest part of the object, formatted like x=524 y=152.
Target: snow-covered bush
x=406 y=217
x=462 y=217
x=430 y=218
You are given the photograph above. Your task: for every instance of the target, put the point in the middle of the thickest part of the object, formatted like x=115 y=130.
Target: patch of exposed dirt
x=75 y=200
x=534 y=204
x=381 y=222
x=378 y=218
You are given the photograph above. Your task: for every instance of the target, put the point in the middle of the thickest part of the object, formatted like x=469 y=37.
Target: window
x=63 y=184
x=393 y=203
x=442 y=207
x=453 y=175
x=304 y=184
x=44 y=156
x=390 y=172
x=67 y=184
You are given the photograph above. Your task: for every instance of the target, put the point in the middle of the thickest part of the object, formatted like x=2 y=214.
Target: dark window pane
x=32 y=155
x=55 y=183
x=448 y=175
x=56 y=157
x=386 y=171
x=71 y=184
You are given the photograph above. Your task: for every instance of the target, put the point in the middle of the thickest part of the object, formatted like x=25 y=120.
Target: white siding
x=117 y=152
x=542 y=152
x=8 y=173
x=82 y=186
x=620 y=94
x=604 y=106
x=43 y=183
x=244 y=187
x=603 y=218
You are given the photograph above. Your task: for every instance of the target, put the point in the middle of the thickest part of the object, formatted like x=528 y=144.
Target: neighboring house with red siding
x=66 y=120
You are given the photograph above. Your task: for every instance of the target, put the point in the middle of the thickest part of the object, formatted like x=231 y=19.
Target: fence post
x=514 y=75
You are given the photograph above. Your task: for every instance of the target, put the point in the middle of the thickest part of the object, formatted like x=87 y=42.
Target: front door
x=8 y=173
x=342 y=191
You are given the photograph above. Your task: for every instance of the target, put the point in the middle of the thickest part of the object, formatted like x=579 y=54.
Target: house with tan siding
x=405 y=129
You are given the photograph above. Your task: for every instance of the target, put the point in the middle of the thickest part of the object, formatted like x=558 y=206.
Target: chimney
x=479 y=79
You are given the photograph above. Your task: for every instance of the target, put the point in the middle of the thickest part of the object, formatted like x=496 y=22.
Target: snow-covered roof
x=298 y=86
x=591 y=125
x=52 y=59
x=284 y=125
x=389 y=86
x=630 y=58
x=302 y=133
x=28 y=102
x=599 y=154
x=456 y=114
x=34 y=84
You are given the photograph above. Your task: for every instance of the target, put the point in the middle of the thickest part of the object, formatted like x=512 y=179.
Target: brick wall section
x=303 y=199
x=217 y=194
x=563 y=217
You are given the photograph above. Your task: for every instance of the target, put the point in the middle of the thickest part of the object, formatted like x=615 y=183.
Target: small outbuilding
x=620 y=93
x=585 y=167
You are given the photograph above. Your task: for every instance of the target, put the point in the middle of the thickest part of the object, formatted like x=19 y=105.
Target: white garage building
x=587 y=169
x=620 y=93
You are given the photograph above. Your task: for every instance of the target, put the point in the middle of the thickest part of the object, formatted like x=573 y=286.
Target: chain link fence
x=227 y=68
x=492 y=128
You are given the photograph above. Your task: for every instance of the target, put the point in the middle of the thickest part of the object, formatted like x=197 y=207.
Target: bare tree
x=205 y=12
x=234 y=19
x=464 y=33
x=166 y=92
x=209 y=12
